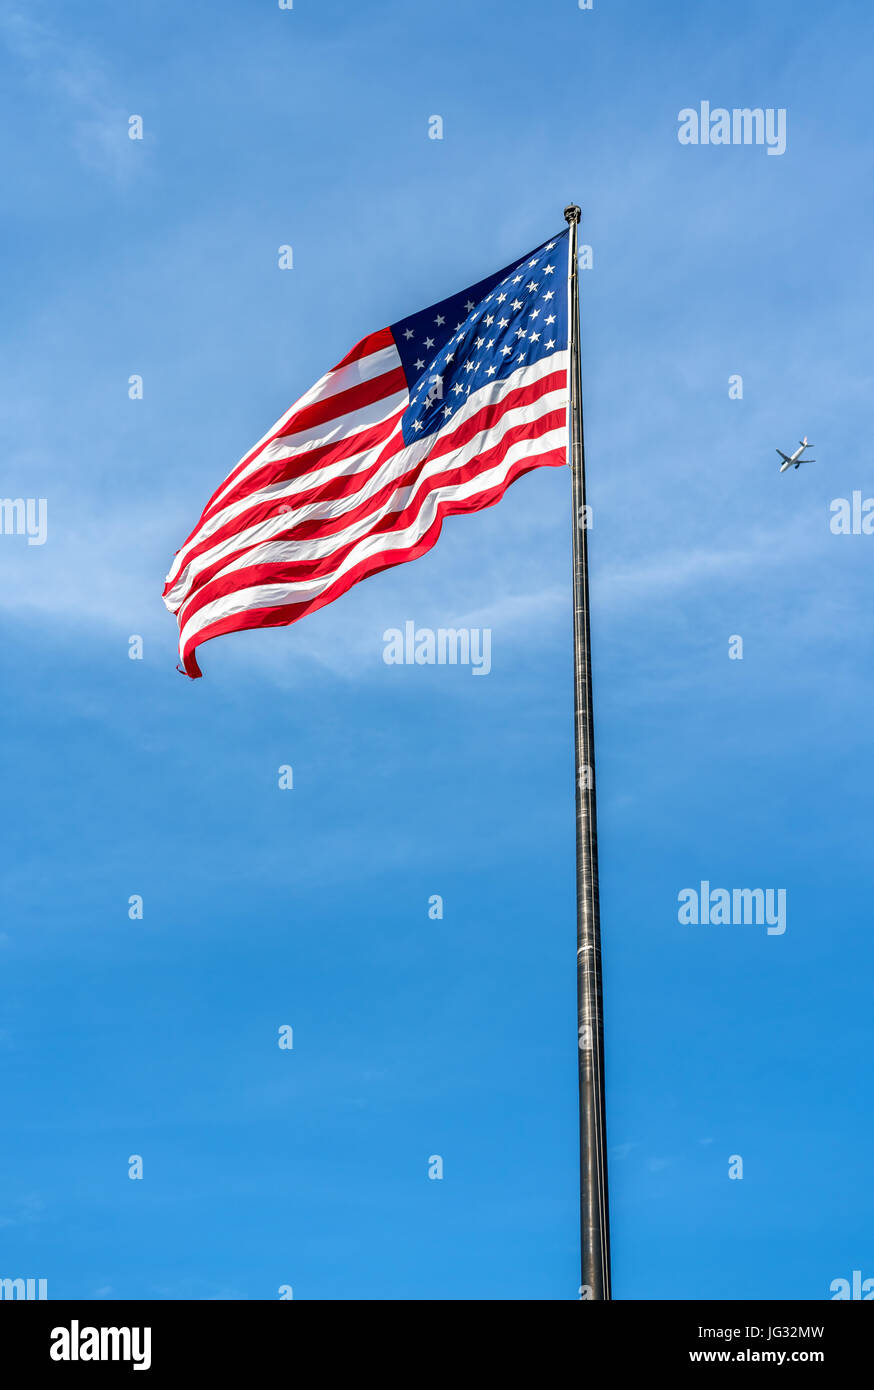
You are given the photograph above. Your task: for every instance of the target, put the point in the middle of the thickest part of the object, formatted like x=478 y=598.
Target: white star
x=534 y=262
x=549 y=245
x=550 y=318
x=506 y=350
x=417 y=425
x=479 y=342
x=548 y=294
x=490 y=371
x=419 y=364
x=450 y=356
x=447 y=411
x=468 y=366
x=516 y=279
x=458 y=388
x=535 y=313
x=490 y=318
x=535 y=337
x=531 y=285
x=501 y=298
x=548 y=269
x=457 y=326
x=408 y=333
x=468 y=306
x=520 y=332
x=502 y=323
x=440 y=320
x=429 y=342
x=551 y=343
x=517 y=304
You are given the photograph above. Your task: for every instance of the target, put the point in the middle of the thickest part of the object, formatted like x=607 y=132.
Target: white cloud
x=70 y=74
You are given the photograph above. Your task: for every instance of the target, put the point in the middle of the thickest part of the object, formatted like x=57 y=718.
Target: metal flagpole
x=594 y=1213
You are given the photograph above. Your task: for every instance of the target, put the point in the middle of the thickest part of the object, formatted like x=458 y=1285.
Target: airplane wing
x=784 y=457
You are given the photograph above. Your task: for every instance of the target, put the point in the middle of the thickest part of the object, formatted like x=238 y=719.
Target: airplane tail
x=804 y=443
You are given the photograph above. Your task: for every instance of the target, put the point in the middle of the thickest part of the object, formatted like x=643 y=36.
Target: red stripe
x=373 y=342
x=217 y=581
x=342 y=403
x=293 y=571
x=302 y=463
x=286 y=469
x=374 y=564
x=329 y=454
x=345 y=484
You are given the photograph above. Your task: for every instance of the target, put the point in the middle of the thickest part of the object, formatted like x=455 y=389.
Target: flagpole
x=594 y=1212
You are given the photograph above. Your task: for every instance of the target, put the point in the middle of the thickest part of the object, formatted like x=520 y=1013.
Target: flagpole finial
x=572 y=214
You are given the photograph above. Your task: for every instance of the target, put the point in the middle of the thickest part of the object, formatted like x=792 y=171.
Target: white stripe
x=291 y=487
x=337 y=379
x=387 y=359
x=488 y=395
x=333 y=432
x=263 y=550
x=277 y=595
x=356 y=463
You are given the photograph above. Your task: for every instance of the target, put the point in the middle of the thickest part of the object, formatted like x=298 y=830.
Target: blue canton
x=484 y=334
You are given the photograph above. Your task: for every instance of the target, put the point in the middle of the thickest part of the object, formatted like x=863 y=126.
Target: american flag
x=431 y=417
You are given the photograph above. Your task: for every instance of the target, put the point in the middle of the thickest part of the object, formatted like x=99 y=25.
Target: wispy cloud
x=26 y=1211
x=96 y=123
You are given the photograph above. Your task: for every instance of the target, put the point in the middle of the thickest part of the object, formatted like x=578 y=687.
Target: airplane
x=789 y=459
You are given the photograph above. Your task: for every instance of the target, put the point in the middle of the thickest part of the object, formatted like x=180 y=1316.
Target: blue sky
x=309 y=907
